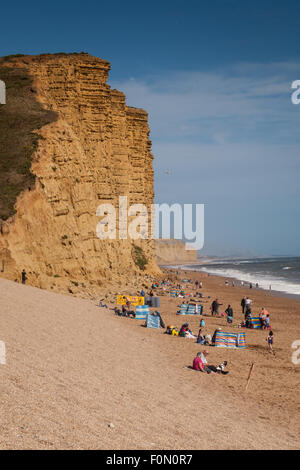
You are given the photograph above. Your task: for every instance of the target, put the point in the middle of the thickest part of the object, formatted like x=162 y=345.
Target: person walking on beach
x=215 y=307
x=24 y=277
x=248 y=304
x=243 y=304
x=270 y=340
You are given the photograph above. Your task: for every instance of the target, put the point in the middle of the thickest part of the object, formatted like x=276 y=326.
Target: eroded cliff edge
x=95 y=150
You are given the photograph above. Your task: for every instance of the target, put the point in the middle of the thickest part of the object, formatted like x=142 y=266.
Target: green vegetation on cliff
x=19 y=117
x=139 y=257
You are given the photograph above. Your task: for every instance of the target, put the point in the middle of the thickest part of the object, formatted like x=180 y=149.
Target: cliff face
x=96 y=150
x=173 y=251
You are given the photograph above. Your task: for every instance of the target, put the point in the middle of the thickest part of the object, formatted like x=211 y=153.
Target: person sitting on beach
x=263 y=317
x=124 y=311
x=189 y=334
x=185 y=332
x=213 y=340
x=172 y=330
x=200 y=363
x=127 y=311
x=200 y=337
x=215 y=307
x=265 y=311
x=229 y=313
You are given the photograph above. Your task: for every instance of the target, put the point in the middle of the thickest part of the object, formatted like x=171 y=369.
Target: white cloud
x=237 y=102
x=232 y=141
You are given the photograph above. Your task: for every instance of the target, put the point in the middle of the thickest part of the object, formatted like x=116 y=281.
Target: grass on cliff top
x=19 y=117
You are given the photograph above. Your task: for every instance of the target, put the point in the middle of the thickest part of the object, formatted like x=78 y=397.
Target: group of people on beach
x=202 y=338
x=241 y=283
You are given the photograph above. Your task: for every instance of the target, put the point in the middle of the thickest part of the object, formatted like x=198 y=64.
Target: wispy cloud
x=246 y=101
x=232 y=140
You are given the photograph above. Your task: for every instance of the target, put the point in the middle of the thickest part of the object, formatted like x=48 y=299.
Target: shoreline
x=189 y=267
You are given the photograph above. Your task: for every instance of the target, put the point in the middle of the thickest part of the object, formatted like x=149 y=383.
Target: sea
x=282 y=274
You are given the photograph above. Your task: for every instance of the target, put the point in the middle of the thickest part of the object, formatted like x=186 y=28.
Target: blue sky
x=215 y=77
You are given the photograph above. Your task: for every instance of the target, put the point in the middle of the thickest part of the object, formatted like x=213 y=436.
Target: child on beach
x=229 y=313
x=270 y=340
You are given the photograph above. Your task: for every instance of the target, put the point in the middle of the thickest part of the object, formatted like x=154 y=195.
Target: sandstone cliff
x=173 y=251
x=96 y=149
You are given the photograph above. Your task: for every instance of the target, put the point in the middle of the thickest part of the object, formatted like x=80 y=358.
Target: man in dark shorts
x=243 y=304
x=215 y=307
